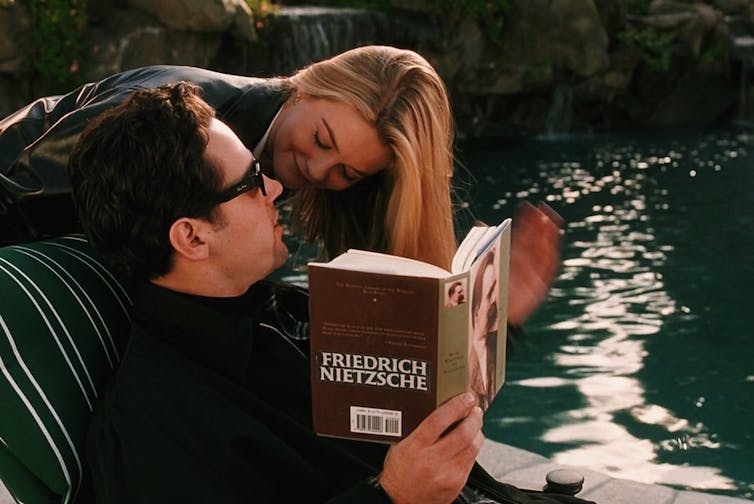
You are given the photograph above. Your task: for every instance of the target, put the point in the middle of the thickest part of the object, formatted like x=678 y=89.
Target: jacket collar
x=251 y=113
x=216 y=332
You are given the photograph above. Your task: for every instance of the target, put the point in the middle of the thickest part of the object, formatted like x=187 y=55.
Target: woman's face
x=325 y=144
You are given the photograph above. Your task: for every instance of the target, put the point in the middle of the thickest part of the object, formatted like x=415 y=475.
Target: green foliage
x=262 y=9
x=654 y=46
x=59 y=43
x=638 y=7
x=716 y=51
x=356 y=4
x=490 y=14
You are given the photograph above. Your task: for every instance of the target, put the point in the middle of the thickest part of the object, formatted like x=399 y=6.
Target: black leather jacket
x=36 y=140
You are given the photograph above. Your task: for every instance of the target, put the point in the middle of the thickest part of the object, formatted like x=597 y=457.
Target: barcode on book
x=376 y=421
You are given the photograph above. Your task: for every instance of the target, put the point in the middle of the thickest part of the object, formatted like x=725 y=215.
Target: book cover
x=393 y=338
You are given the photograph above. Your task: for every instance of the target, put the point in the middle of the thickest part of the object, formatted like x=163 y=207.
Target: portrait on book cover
x=455 y=293
x=484 y=321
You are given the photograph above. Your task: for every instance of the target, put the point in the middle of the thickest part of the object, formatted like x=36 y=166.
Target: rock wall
x=559 y=66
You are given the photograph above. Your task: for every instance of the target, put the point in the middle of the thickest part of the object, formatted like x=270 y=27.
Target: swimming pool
x=639 y=364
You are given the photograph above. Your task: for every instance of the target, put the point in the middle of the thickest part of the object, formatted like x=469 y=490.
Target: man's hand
x=428 y=467
x=535 y=259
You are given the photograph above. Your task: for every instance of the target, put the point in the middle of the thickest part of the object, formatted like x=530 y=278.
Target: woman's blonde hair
x=406 y=209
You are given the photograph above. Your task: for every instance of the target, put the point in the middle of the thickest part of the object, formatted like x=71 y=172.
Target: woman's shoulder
x=157 y=75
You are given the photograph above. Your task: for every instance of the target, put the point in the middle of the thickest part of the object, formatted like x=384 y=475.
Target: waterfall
x=303 y=35
x=560 y=115
x=744 y=51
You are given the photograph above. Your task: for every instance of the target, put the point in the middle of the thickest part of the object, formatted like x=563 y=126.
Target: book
x=393 y=338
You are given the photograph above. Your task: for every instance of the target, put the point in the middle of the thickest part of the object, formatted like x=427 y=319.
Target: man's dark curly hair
x=139 y=167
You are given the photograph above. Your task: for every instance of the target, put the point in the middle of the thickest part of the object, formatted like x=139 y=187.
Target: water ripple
x=612 y=301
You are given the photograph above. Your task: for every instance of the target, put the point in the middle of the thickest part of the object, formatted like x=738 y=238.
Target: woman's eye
x=319 y=142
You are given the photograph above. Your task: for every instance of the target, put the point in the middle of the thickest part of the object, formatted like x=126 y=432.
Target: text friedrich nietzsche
x=370 y=370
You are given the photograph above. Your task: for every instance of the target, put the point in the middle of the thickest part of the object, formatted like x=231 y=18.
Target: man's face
x=455 y=295
x=247 y=242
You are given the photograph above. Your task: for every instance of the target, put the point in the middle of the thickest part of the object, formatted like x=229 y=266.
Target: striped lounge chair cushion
x=63 y=323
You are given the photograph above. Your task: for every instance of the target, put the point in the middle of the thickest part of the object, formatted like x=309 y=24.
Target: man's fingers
x=462 y=437
x=461 y=446
x=453 y=410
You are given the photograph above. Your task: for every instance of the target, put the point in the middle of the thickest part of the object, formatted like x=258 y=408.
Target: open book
x=393 y=338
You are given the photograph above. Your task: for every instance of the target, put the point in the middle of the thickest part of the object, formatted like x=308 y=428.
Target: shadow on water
x=639 y=363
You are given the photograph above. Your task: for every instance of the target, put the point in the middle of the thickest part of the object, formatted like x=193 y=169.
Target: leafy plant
x=262 y=9
x=356 y=4
x=654 y=46
x=490 y=14
x=638 y=7
x=715 y=51
x=58 y=36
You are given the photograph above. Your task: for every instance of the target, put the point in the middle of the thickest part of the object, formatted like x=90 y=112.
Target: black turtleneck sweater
x=210 y=406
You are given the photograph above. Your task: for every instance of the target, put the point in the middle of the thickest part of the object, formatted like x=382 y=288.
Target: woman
x=404 y=140
x=364 y=139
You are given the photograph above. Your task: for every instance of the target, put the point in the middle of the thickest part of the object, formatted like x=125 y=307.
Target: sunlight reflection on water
x=613 y=284
x=624 y=299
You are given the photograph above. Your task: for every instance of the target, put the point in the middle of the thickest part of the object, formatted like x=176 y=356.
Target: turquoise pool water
x=639 y=364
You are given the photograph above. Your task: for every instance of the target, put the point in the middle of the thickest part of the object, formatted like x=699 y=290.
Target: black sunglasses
x=250 y=181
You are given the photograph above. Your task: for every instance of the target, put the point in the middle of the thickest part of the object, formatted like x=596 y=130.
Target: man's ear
x=187 y=238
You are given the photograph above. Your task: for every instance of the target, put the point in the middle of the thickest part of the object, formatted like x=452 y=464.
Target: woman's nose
x=319 y=169
x=273 y=188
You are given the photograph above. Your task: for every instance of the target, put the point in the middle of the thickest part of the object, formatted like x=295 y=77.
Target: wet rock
x=613 y=14
x=210 y=16
x=579 y=40
x=733 y=6
x=130 y=38
x=698 y=98
x=688 y=23
x=15 y=39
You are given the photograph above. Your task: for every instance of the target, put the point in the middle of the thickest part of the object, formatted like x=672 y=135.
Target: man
x=209 y=405
x=211 y=400
x=456 y=294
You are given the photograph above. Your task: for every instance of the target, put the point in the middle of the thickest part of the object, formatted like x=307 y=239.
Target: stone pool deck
x=527 y=470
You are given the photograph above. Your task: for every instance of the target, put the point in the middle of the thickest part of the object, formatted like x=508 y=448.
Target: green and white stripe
x=63 y=323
